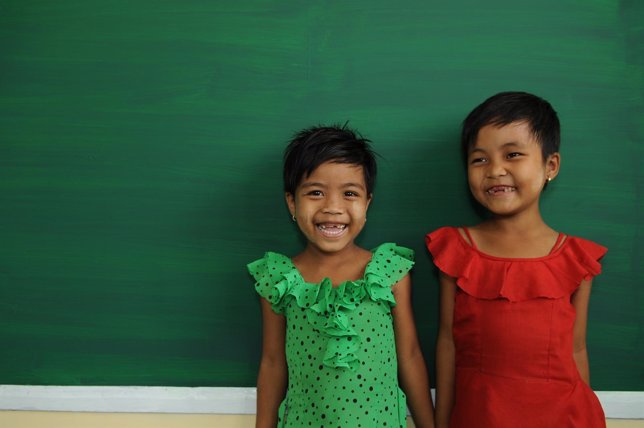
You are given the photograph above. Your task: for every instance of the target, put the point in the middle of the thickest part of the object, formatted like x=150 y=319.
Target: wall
x=141 y=149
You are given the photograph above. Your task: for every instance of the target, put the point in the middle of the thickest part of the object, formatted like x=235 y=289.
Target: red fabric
x=513 y=324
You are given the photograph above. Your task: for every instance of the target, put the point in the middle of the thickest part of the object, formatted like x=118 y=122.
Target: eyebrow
x=508 y=144
x=358 y=185
x=318 y=184
x=312 y=184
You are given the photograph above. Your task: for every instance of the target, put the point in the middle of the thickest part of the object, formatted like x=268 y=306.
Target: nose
x=333 y=205
x=496 y=169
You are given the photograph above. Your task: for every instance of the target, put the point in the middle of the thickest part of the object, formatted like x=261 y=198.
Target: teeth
x=501 y=189
x=340 y=226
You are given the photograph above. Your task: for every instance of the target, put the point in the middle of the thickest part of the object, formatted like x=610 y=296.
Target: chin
x=332 y=247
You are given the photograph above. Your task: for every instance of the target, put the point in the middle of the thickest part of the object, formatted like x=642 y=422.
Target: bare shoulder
x=362 y=258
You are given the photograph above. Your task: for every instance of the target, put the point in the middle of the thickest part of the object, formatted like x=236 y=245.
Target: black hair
x=507 y=107
x=314 y=146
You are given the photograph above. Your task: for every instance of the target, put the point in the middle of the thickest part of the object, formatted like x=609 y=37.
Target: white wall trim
x=161 y=399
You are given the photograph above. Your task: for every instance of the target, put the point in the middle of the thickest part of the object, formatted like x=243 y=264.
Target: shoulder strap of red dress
x=467 y=232
x=558 y=243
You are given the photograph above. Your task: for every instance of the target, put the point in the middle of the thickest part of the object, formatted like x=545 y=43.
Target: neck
x=526 y=224
x=323 y=258
x=348 y=264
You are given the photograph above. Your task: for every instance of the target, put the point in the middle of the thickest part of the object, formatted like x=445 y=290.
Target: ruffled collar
x=484 y=276
x=327 y=307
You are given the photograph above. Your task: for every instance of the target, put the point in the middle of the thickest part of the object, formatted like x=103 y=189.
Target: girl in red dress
x=511 y=349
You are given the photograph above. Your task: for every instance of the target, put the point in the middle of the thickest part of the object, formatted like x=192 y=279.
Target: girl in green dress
x=338 y=331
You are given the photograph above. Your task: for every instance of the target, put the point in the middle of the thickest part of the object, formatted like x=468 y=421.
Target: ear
x=552 y=165
x=369 y=199
x=290 y=202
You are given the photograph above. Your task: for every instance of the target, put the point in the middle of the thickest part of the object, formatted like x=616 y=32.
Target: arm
x=579 y=301
x=411 y=365
x=445 y=353
x=273 y=374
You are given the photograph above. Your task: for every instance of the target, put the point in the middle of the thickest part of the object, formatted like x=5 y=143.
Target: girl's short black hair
x=507 y=107
x=314 y=146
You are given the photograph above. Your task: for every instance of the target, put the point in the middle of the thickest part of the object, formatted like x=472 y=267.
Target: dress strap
x=467 y=232
x=558 y=243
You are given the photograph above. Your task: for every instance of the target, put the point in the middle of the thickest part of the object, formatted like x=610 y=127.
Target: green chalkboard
x=140 y=157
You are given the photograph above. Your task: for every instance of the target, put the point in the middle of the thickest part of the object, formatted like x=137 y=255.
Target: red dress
x=513 y=333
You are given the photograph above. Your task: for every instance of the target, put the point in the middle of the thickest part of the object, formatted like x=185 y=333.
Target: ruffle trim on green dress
x=327 y=308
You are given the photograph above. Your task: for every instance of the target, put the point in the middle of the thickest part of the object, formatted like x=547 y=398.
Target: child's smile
x=330 y=206
x=500 y=190
x=332 y=230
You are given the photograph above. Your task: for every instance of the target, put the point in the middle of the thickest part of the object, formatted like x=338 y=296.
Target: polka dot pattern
x=340 y=345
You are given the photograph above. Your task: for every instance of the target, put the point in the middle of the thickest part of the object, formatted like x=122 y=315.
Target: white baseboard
x=160 y=399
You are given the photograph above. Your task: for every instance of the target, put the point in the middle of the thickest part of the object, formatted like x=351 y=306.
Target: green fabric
x=340 y=346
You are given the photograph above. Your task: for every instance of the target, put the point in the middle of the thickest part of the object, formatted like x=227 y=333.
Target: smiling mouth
x=500 y=190
x=331 y=230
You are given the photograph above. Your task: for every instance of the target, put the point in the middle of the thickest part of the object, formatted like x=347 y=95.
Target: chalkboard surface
x=140 y=162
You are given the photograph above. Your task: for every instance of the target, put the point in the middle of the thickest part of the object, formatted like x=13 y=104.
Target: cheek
x=473 y=181
x=303 y=209
x=540 y=178
x=359 y=210
x=473 y=174
x=537 y=185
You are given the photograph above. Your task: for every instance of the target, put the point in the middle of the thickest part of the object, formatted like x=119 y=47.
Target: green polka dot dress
x=340 y=347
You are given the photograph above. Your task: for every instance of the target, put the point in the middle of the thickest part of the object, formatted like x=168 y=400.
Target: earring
x=549 y=179
x=293 y=217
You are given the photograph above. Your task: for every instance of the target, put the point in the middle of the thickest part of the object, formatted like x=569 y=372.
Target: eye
x=351 y=194
x=314 y=193
x=513 y=155
x=478 y=160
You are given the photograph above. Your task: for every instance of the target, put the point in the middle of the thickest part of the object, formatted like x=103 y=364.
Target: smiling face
x=330 y=206
x=506 y=171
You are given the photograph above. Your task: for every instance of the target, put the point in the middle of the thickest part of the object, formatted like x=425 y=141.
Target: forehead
x=335 y=172
x=518 y=133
